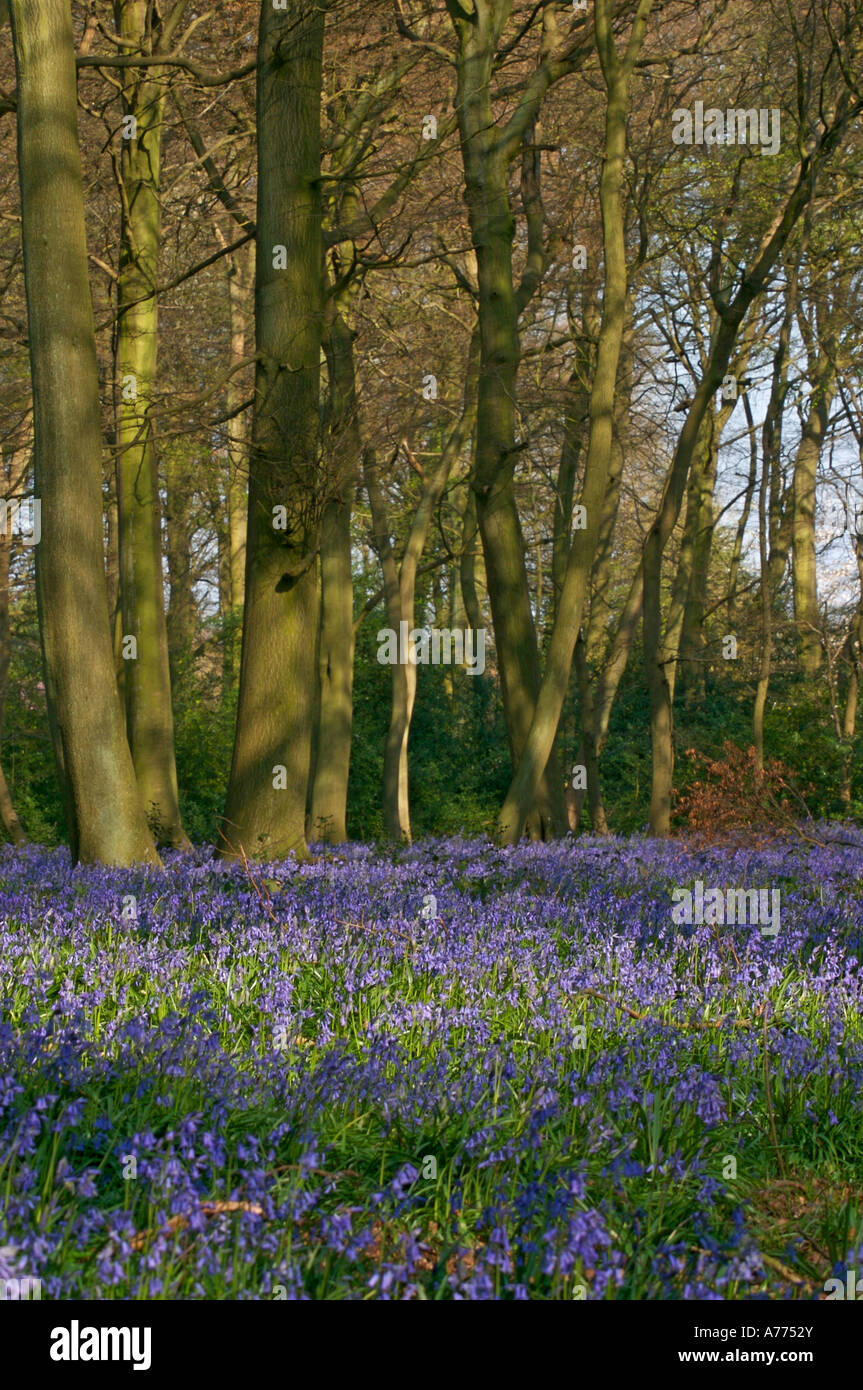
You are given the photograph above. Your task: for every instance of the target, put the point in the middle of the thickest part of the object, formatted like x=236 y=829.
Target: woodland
x=532 y=320
x=431 y=607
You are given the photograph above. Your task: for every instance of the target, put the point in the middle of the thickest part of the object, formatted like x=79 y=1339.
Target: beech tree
x=617 y=73
x=487 y=151
x=104 y=812
x=265 y=809
x=293 y=223
x=147 y=683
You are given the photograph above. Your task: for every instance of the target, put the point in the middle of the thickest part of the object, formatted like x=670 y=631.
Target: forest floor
x=442 y=1071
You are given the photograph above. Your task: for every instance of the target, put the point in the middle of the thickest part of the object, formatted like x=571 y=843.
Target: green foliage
x=371 y=719
x=204 y=719
x=625 y=763
x=28 y=756
x=459 y=756
x=459 y=761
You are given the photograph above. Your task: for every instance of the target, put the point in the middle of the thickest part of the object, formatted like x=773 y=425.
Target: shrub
x=732 y=794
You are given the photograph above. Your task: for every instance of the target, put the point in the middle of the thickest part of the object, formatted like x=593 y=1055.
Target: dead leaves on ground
x=179 y=1223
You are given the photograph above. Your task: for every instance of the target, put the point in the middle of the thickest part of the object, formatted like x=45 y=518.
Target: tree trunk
x=241 y=281
x=401 y=603
x=329 y=803
x=588 y=750
x=742 y=525
x=731 y=314
x=105 y=817
x=593 y=730
x=112 y=569
x=147 y=684
x=397 y=821
x=773 y=539
x=701 y=478
x=684 y=639
x=183 y=619
x=601 y=575
x=612 y=674
x=265 y=809
x=691 y=646
x=14 y=465
x=233 y=503
x=657 y=655
x=617 y=72
x=8 y=815
x=823 y=366
x=575 y=428
x=467 y=564
x=492 y=226
x=766 y=596
x=854 y=654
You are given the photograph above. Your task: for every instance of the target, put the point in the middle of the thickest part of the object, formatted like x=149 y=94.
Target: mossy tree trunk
x=617 y=73
x=147 y=680
x=329 y=800
x=486 y=155
x=15 y=466
x=265 y=808
x=104 y=813
x=241 y=277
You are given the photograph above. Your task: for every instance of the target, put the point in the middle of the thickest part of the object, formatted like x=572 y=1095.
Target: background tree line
x=320 y=317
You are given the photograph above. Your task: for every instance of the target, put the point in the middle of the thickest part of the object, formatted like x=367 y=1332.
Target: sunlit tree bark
x=104 y=813
x=486 y=153
x=617 y=73
x=329 y=800
x=265 y=808
x=147 y=681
